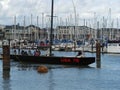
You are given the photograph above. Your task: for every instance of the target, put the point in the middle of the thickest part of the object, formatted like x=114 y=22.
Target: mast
x=42 y=20
x=30 y=29
x=24 y=29
x=117 y=29
x=14 y=36
x=37 y=38
x=74 y=25
x=51 y=30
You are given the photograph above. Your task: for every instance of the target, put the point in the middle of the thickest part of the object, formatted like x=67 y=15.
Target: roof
x=13 y=26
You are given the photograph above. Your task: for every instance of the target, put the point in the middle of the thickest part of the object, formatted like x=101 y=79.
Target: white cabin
x=113 y=47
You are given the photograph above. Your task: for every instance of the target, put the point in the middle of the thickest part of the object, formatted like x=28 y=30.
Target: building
x=30 y=32
x=75 y=32
x=109 y=33
x=33 y=33
x=2 y=34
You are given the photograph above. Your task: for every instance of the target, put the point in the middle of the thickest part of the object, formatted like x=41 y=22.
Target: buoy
x=42 y=69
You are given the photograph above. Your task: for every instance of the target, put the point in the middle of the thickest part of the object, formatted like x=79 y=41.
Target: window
x=7 y=30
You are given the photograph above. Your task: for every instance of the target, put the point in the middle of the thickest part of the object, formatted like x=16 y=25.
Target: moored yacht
x=113 y=47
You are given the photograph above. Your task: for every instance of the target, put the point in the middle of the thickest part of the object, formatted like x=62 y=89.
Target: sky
x=66 y=12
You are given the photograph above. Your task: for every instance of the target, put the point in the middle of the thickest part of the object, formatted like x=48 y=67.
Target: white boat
x=113 y=47
x=66 y=46
x=55 y=47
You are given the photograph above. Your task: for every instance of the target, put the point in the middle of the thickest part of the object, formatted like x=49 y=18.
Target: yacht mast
x=51 y=30
x=24 y=37
x=14 y=36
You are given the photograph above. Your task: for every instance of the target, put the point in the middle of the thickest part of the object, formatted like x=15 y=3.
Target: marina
x=59 y=45
x=25 y=76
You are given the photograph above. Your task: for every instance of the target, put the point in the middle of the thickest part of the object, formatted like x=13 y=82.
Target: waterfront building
x=30 y=32
x=33 y=32
x=13 y=31
x=109 y=33
x=1 y=32
x=75 y=32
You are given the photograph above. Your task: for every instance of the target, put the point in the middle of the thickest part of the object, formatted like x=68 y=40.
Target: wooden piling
x=6 y=57
x=98 y=55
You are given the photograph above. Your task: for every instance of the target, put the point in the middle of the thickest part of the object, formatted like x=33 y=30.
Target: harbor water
x=60 y=77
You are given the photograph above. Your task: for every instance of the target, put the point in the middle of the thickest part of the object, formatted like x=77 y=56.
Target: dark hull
x=54 y=60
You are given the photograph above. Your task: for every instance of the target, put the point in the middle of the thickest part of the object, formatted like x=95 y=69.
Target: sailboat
x=50 y=59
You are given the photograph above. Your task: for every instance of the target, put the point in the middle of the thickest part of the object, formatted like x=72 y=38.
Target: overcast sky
x=65 y=10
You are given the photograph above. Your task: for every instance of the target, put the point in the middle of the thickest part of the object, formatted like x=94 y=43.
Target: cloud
x=62 y=8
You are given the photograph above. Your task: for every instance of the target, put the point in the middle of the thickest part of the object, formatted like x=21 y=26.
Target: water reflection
x=51 y=81
x=6 y=74
x=26 y=67
x=6 y=80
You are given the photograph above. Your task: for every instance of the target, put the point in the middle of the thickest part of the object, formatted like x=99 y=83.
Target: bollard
x=98 y=55
x=6 y=56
